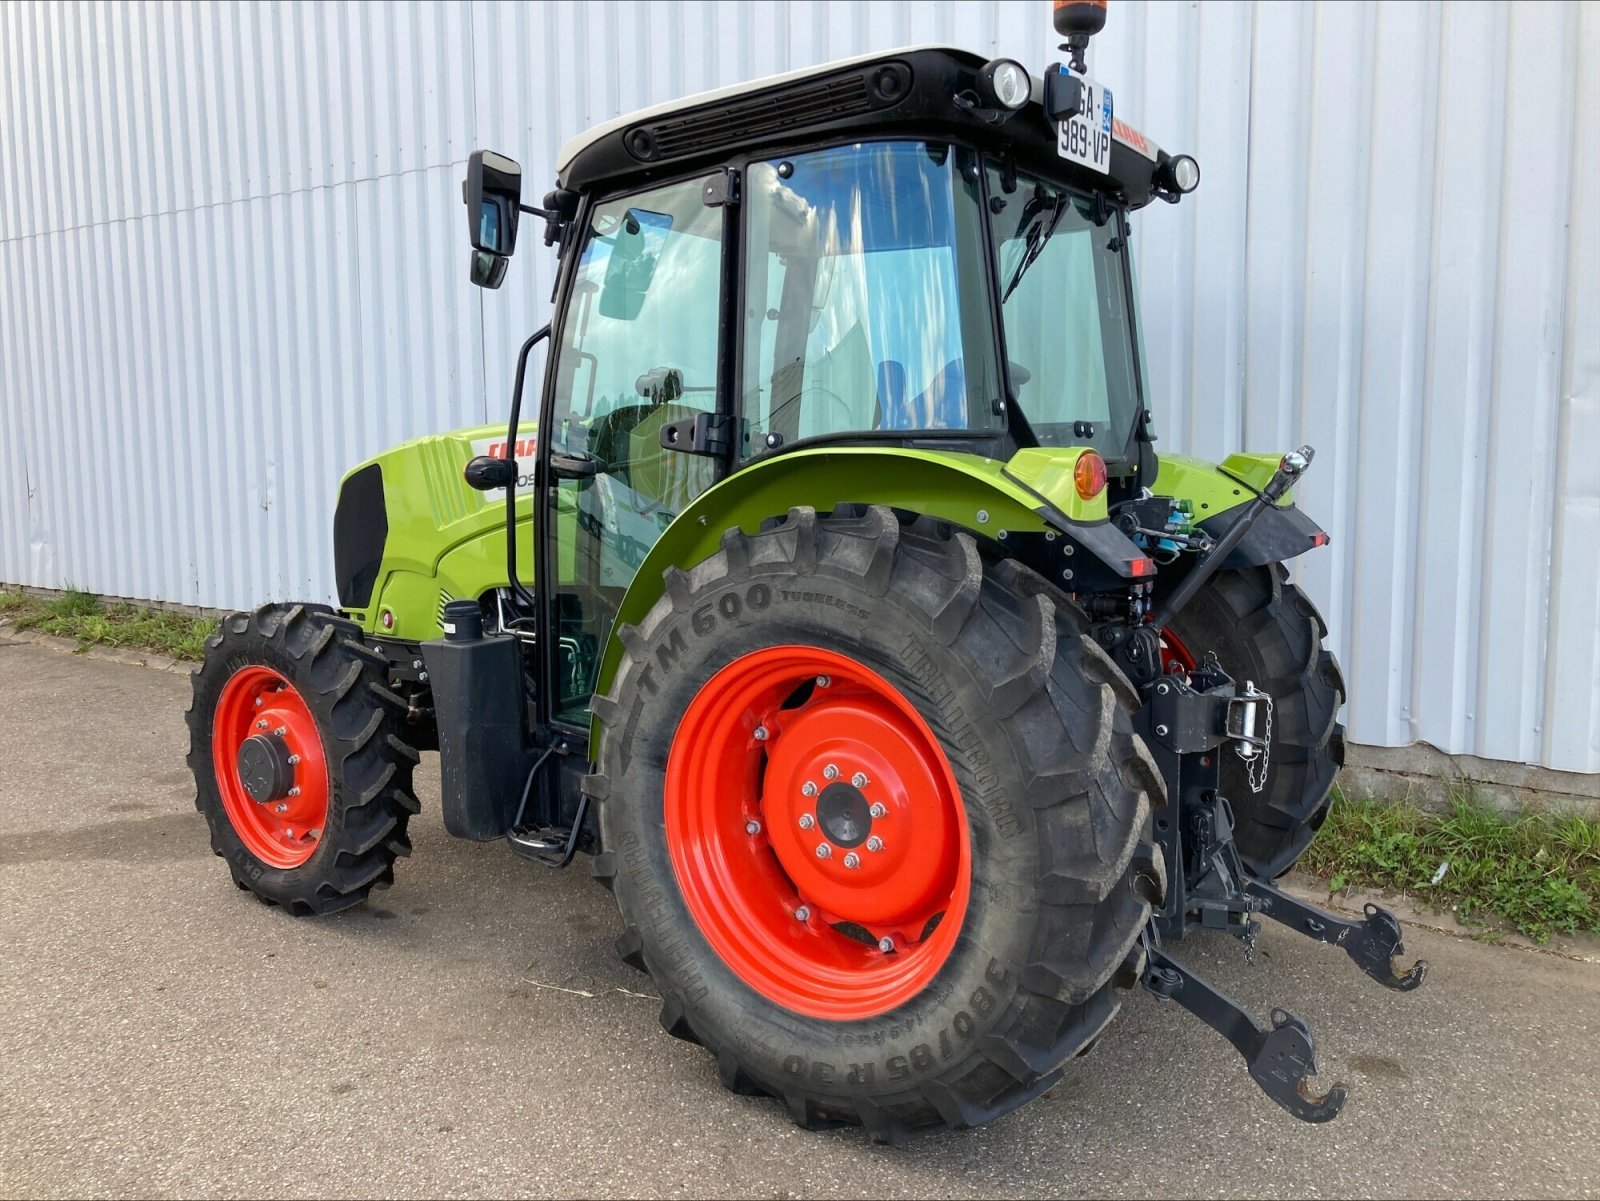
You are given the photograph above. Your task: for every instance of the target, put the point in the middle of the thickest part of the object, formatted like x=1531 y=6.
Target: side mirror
x=493 y=196
x=488 y=270
x=635 y=250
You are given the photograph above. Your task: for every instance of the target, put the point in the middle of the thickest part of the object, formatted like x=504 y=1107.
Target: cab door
x=639 y=349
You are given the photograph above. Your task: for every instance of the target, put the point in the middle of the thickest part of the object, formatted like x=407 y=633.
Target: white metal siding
x=232 y=264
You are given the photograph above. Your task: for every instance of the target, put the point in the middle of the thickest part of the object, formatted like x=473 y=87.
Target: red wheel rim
x=284 y=829
x=789 y=749
x=1175 y=656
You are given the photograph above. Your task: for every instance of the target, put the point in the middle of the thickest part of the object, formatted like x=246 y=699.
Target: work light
x=1005 y=84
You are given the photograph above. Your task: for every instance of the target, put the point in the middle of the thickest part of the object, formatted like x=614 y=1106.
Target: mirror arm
x=512 y=430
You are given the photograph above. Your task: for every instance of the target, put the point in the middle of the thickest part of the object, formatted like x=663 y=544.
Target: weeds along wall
x=232 y=263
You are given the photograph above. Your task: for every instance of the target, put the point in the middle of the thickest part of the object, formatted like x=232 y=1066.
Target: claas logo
x=523 y=449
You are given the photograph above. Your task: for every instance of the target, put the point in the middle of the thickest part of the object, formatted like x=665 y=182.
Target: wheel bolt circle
x=807 y=821
x=879 y=809
x=830 y=772
x=874 y=843
x=824 y=851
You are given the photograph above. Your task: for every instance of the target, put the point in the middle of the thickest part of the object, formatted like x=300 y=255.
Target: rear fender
x=1217 y=496
x=980 y=494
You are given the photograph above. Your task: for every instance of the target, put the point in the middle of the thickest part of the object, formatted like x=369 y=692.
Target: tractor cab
x=834 y=600
x=894 y=251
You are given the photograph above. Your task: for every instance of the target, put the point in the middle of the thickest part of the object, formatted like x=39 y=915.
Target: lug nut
x=878 y=809
x=752 y=827
x=874 y=843
x=281 y=731
x=808 y=789
x=824 y=851
x=807 y=821
x=295 y=791
x=830 y=772
x=761 y=733
x=293 y=759
x=802 y=914
x=258 y=702
x=852 y=860
x=859 y=779
x=261 y=725
x=886 y=944
x=281 y=808
x=824 y=681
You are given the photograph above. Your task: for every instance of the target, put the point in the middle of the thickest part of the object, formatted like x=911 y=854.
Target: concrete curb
x=11 y=636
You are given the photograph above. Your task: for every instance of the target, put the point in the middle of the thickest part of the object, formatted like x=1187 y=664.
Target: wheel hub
x=844 y=815
x=817 y=832
x=271 y=772
x=264 y=768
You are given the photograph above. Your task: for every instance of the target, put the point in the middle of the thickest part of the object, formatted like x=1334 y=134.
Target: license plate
x=1086 y=138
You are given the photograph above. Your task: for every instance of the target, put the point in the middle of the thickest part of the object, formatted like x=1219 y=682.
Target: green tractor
x=837 y=603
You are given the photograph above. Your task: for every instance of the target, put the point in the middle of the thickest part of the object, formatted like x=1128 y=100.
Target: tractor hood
x=404 y=511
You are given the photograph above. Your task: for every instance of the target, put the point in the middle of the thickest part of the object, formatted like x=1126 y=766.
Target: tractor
x=836 y=604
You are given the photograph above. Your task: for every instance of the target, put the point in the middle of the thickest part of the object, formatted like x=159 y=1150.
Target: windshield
x=867 y=305
x=1068 y=325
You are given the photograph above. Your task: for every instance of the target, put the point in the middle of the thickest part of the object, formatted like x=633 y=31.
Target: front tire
x=965 y=724
x=301 y=768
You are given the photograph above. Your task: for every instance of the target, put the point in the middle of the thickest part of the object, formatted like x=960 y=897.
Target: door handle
x=573 y=465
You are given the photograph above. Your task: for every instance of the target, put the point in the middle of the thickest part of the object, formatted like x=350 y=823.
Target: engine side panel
x=423 y=537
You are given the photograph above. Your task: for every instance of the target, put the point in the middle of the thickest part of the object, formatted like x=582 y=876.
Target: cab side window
x=638 y=350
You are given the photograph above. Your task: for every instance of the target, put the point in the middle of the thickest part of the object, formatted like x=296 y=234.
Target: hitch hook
x=1373 y=943
x=1281 y=1057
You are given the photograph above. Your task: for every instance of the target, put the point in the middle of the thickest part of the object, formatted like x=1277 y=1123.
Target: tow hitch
x=1189 y=720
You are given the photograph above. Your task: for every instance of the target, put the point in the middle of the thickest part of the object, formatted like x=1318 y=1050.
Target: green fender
x=1031 y=494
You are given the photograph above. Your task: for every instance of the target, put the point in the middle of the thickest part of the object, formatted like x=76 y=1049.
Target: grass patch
x=79 y=615
x=1540 y=872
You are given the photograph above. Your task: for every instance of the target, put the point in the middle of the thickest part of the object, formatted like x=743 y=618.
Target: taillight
x=1089 y=474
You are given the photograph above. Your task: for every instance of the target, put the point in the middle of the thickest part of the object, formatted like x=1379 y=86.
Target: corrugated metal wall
x=232 y=263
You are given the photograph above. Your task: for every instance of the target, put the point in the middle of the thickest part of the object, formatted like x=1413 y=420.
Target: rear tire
x=1266 y=630
x=1053 y=789
x=299 y=682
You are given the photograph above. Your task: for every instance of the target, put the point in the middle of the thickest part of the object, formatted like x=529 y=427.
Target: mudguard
x=1217 y=494
x=1032 y=496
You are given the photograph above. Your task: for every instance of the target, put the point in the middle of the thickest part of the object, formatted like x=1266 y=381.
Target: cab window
x=864 y=286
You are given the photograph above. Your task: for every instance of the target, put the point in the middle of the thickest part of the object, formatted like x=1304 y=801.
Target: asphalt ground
x=470 y=1032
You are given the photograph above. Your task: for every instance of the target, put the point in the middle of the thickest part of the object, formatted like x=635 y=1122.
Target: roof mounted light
x=1004 y=84
x=1177 y=175
x=1077 y=21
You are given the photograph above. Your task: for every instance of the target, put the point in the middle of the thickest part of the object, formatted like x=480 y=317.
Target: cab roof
x=908 y=92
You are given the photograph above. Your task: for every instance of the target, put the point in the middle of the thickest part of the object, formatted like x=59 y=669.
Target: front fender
x=967 y=490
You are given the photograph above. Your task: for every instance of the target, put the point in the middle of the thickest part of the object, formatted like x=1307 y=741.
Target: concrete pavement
x=471 y=1033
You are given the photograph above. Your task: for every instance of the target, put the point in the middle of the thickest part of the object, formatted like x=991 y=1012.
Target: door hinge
x=721 y=188
x=701 y=434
